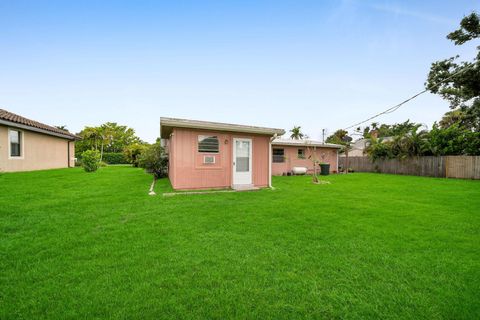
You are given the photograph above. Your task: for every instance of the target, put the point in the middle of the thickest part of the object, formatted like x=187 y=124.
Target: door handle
x=233 y=162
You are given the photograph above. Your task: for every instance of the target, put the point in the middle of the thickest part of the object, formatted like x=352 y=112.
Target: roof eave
x=35 y=129
x=320 y=145
x=215 y=126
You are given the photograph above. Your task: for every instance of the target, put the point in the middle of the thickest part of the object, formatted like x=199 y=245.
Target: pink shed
x=208 y=155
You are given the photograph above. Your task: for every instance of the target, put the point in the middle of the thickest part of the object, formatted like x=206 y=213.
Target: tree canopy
x=386 y=130
x=108 y=137
x=459 y=82
x=458 y=132
x=338 y=137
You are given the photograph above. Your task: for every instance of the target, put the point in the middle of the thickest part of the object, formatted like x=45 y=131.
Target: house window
x=15 y=137
x=208 y=144
x=278 y=155
x=301 y=153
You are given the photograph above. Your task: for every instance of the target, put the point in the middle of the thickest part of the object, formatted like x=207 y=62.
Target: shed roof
x=14 y=120
x=167 y=125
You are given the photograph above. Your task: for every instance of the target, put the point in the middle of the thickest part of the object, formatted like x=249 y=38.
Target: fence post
x=446 y=167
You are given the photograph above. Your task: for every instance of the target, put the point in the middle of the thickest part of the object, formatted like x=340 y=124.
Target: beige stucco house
x=27 y=145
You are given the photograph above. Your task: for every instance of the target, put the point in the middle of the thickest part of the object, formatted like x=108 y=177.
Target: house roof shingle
x=16 y=119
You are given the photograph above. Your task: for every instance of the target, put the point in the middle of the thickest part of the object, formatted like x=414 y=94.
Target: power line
x=397 y=106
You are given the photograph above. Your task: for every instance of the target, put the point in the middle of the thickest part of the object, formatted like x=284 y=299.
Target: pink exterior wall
x=169 y=147
x=326 y=155
x=187 y=170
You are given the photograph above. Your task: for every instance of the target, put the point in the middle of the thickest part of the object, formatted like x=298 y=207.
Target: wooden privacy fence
x=464 y=167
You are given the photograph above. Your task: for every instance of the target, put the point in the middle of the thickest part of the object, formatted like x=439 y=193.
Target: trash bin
x=324 y=169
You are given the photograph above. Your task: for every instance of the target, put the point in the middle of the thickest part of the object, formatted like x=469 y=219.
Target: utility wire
x=397 y=106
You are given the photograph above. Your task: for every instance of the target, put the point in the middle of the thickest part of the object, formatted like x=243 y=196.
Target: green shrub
x=90 y=160
x=154 y=160
x=114 y=158
x=132 y=153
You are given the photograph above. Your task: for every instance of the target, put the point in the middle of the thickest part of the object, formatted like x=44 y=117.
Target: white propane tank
x=299 y=170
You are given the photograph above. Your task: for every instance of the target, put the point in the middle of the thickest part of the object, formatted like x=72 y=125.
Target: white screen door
x=242 y=161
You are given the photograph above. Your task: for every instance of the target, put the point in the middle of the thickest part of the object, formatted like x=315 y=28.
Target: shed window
x=278 y=155
x=208 y=144
x=301 y=153
x=208 y=159
x=15 y=137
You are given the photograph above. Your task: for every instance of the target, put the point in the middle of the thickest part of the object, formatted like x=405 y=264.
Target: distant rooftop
x=12 y=119
x=167 y=125
x=313 y=143
x=361 y=143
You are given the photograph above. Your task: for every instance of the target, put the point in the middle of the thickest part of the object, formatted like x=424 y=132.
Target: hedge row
x=108 y=157
x=114 y=158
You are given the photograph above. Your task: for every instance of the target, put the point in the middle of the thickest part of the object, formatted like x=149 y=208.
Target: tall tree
x=459 y=82
x=296 y=133
x=117 y=137
x=106 y=138
x=387 y=130
x=90 y=138
x=342 y=138
x=109 y=137
x=337 y=137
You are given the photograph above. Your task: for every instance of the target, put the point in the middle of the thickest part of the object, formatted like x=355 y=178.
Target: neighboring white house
x=358 y=147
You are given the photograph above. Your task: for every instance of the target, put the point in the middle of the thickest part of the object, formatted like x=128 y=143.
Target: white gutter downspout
x=270 y=160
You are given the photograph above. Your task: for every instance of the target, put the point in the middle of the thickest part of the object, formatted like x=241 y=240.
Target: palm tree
x=64 y=128
x=106 y=137
x=375 y=148
x=415 y=143
x=452 y=117
x=297 y=133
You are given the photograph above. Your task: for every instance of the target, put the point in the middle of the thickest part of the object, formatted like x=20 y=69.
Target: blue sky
x=317 y=64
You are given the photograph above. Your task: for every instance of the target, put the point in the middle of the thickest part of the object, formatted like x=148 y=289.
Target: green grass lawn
x=80 y=245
